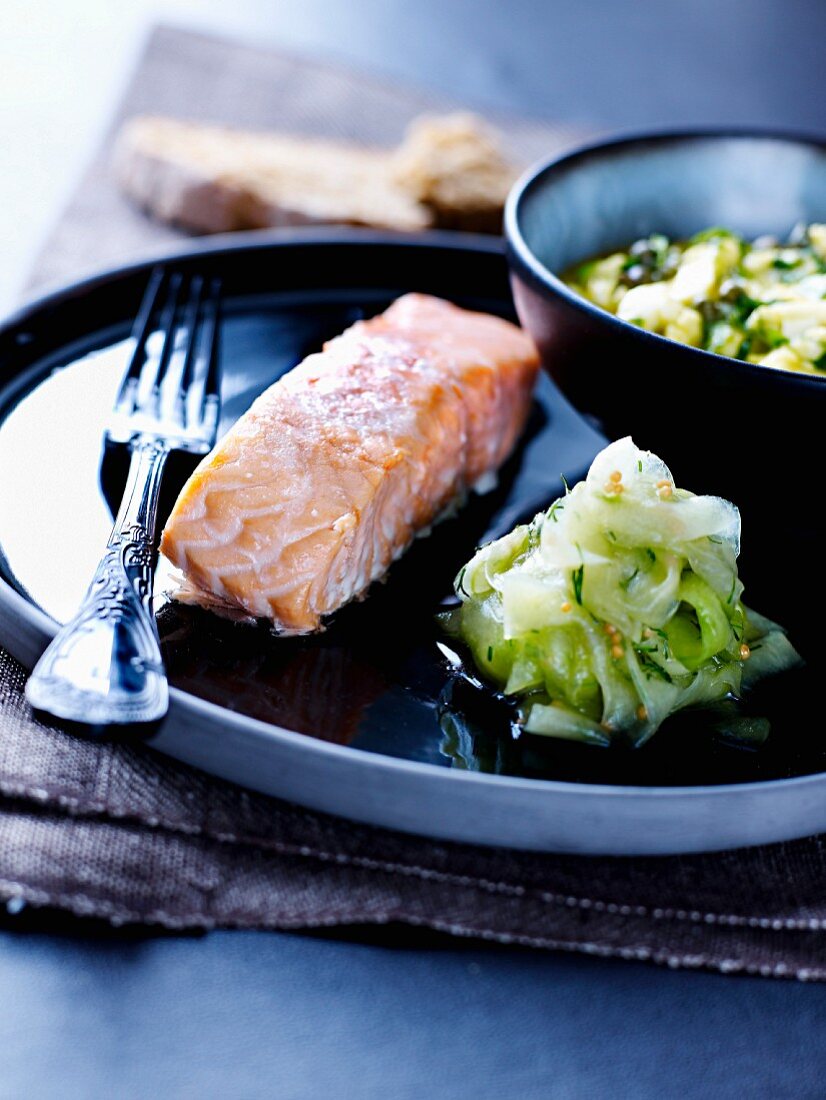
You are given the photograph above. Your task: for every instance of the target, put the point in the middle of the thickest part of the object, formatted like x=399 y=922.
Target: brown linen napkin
x=125 y=834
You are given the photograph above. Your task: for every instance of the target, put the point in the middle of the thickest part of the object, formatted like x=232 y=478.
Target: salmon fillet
x=335 y=468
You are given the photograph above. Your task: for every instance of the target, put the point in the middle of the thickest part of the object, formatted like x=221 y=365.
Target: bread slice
x=454 y=166
x=212 y=179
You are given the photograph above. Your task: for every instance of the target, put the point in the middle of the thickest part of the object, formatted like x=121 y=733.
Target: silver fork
x=104 y=667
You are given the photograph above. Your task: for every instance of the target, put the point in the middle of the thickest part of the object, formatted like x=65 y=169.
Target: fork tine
x=211 y=337
x=168 y=326
x=191 y=317
x=141 y=331
x=191 y=321
x=174 y=392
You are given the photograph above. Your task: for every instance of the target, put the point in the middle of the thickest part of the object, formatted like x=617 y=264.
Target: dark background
x=608 y=63
x=88 y=1012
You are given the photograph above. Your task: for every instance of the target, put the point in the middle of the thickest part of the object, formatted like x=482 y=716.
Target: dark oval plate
x=367 y=720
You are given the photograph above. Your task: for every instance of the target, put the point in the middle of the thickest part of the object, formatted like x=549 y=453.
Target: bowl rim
x=522 y=257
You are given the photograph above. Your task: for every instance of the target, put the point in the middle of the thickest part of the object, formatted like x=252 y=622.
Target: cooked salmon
x=336 y=467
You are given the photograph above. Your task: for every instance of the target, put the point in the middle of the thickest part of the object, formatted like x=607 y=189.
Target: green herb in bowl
x=763 y=301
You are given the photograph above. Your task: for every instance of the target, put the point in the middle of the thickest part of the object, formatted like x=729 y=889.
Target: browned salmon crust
x=329 y=476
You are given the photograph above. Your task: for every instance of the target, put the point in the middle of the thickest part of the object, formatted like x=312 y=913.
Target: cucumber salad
x=762 y=301
x=618 y=606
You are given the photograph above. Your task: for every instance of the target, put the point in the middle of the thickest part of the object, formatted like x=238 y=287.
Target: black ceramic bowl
x=752 y=434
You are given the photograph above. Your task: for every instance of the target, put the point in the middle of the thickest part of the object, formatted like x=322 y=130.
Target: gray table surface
x=87 y=1012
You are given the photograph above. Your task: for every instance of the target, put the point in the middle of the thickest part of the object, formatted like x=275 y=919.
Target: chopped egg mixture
x=763 y=302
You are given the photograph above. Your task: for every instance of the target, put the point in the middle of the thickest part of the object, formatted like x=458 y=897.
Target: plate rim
x=250 y=240
x=38 y=627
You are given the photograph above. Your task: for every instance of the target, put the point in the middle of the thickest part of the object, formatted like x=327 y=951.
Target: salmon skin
x=336 y=467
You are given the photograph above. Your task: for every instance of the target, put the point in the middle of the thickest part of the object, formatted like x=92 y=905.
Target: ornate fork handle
x=104 y=667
